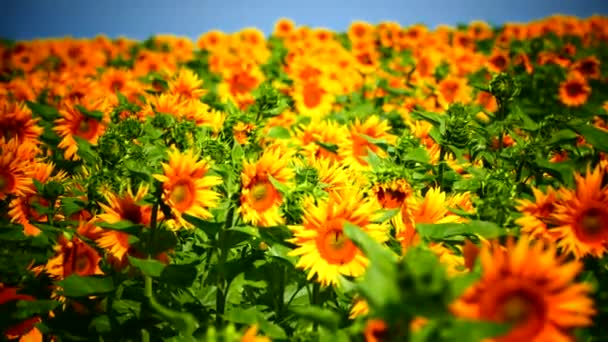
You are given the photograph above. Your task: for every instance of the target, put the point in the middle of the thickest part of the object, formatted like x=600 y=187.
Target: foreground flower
x=323 y=247
x=124 y=208
x=13 y=170
x=73 y=257
x=187 y=187
x=582 y=216
x=260 y=200
x=531 y=288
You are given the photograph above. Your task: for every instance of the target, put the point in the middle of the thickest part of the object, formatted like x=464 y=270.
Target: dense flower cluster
x=246 y=160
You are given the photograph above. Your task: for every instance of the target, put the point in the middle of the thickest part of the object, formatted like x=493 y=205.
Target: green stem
x=315 y=299
x=441 y=166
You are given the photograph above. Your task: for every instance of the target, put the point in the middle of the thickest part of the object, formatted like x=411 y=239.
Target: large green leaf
x=441 y=231
x=77 y=286
x=596 y=137
x=151 y=267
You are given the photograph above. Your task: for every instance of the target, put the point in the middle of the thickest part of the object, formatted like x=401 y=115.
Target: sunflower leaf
x=27 y=308
x=152 y=268
x=440 y=231
x=77 y=286
x=596 y=137
x=278 y=132
x=317 y=314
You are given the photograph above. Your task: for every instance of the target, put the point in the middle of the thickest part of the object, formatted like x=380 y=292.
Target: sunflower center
x=516 y=309
x=263 y=195
x=334 y=246
x=81 y=265
x=390 y=198
x=182 y=195
x=87 y=128
x=574 y=88
x=593 y=223
x=312 y=95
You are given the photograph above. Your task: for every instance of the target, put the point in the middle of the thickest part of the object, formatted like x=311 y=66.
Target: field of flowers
x=384 y=184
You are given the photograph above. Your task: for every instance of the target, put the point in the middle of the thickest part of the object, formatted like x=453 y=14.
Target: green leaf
x=101 y=324
x=151 y=267
x=440 y=231
x=253 y=315
x=179 y=275
x=596 y=137
x=387 y=214
x=561 y=136
x=317 y=314
x=77 y=286
x=27 y=308
x=48 y=113
x=278 y=132
x=418 y=154
x=283 y=189
x=94 y=114
x=437 y=120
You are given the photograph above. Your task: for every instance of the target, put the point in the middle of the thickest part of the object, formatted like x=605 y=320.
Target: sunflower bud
x=503 y=87
x=457 y=132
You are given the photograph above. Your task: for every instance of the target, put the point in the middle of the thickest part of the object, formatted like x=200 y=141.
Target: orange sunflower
x=123 y=208
x=73 y=257
x=323 y=247
x=537 y=214
x=187 y=187
x=187 y=85
x=581 y=216
x=14 y=179
x=16 y=122
x=260 y=200
x=531 y=288
x=574 y=91
x=73 y=123
x=22 y=209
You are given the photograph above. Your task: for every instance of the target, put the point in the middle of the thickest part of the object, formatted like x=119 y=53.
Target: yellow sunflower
x=260 y=200
x=187 y=187
x=73 y=123
x=393 y=194
x=319 y=137
x=312 y=99
x=187 y=85
x=432 y=208
x=530 y=287
x=581 y=216
x=355 y=150
x=323 y=247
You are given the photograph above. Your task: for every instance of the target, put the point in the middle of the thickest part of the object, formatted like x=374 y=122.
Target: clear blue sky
x=27 y=19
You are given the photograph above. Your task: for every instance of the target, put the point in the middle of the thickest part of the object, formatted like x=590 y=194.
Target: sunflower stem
x=315 y=300
x=441 y=165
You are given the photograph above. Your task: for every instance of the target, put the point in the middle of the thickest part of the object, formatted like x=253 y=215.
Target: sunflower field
x=386 y=183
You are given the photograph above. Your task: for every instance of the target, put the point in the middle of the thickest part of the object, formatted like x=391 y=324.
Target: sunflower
x=392 y=194
x=376 y=330
x=355 y=150
x=123 y=208
x=73 y=257
x=283 y=28
x=187 y=85
x=73 y=123
x=581 y=216
x=251 y=335
x=432 y=208
x=187 y=187
x=589 y=67
x=321 y=139
x=260 y=200
x=530 y=287
x=334 y=176
x=22 y=209
x=323 y=247
x=312 y=99
x=117 y=80
x=536 y=215
x=14 y=179
x=574 y=91
x=16 y=122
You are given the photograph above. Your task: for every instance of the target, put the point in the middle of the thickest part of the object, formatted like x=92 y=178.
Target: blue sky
x=27 y=19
